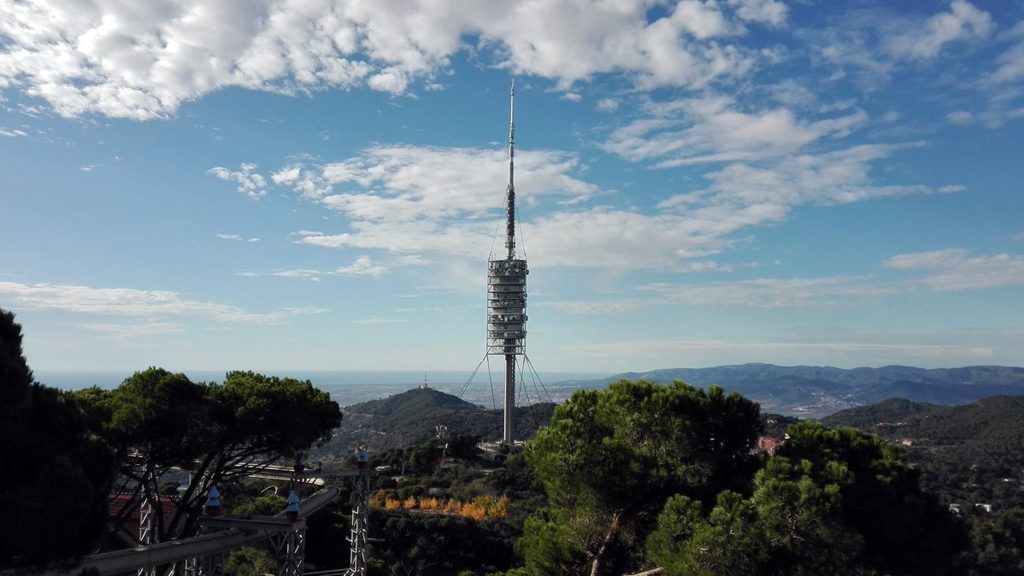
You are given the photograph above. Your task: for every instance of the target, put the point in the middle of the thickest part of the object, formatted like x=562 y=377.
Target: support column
x=147 y=532
x=360 y=521
x=290 y=550
x=510 y=398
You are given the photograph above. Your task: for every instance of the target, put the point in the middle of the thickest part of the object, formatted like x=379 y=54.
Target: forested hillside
x=411 y=418
x=817 y=391
x=972 y=458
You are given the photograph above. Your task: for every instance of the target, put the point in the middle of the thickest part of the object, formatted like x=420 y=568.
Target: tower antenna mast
x=510 y=224
x=506 y=291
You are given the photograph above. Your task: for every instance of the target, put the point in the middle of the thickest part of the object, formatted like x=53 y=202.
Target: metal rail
x=131 y=560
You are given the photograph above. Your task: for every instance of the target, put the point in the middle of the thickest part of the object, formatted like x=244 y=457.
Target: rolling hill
x=816 y=391
x=412 y=417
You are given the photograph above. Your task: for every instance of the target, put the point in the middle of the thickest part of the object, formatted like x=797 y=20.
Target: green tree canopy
x=156 y=420
x=50 y=466
x=611 y=458
x=831 y=502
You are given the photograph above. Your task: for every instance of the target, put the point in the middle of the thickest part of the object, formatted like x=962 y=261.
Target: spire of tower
x=510 y=224
x=506 y=290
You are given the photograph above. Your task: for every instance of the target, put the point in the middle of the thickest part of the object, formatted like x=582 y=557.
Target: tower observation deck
x=506 y=291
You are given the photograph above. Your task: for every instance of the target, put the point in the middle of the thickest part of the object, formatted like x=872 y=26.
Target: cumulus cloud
x=408 y=182
x=1010 y=62
x=960 y=117
x=133 y=332
x=133 y=302
x=870 y=45
x=249 y=183
x=962 y=22
x=362 y=266
x=955 y=269
x=592 y=307
x=407 y=200
x=769 y=293
x=607 y=105
x=142 y=61
x=237 y=238
x=715 y=129
x=376 y=320
x=770 y=12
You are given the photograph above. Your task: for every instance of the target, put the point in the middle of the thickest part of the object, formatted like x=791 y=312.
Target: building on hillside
x=767 y=444
x=133 y=530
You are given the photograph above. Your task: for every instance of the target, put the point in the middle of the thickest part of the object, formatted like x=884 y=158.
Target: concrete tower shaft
x=506 y=292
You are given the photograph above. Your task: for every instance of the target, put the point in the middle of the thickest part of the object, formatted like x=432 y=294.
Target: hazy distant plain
x=348 y=387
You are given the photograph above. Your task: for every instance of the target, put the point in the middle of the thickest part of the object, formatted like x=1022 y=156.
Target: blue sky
x=313 y=184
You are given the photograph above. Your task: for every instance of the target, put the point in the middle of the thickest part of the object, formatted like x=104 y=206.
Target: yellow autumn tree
x=500 y=509
x=377 y=499
x=453 y=506
x=472 y=510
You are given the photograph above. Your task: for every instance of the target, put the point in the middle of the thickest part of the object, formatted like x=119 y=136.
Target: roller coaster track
x=236 y=531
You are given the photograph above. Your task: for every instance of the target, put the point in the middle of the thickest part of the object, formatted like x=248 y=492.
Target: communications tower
x=506 y=291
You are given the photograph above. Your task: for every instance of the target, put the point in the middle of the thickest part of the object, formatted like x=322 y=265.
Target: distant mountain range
x=816 y=391
x=412 y=417
x=988 y=434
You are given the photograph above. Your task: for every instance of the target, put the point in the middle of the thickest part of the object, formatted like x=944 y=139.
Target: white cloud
x=960 y=117
x=303 y=273
x=133 y=332
x=237 y=238
x=954 y=269
x=714 y=129
x=1011 y=62
x=771 y=12
x=286 y=175
x=838 y=177
x=607 y=105
x=1019 y=237
x=926 y=260
x=962 y=22
x=404 y=183
x=592 y=307
x=250 y=183
x=362 y=266
x=11 y=133
x=375 y=320
x=142 y=61
x=132 y=302
x=768 y=293
x=572 y=96
x=408 y=200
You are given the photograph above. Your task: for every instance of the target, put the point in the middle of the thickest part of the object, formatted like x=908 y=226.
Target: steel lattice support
x=289 y=549
x=360 y=523
x=209 y=565
x=147 y=532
